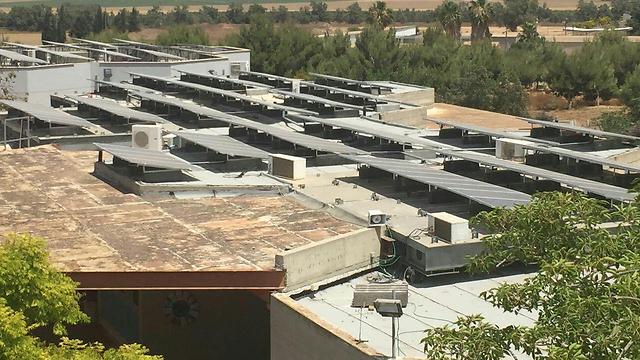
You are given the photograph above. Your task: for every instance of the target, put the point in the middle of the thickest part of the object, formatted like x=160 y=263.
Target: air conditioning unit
x=287 y=166
x=377 y=218
x=448 y=227
x=146 y=137
x=237 y=67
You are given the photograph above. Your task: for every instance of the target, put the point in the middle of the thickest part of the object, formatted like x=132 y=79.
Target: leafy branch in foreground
x=34 y=294
x=586 y=294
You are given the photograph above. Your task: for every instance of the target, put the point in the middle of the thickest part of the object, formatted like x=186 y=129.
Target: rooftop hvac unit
x=146 y=137
x=364 y=295
x=376 y=218
x=448 y=227
x=237 y=67
x=287 y=166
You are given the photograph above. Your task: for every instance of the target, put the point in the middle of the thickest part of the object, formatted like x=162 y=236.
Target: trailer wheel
x=411 y=275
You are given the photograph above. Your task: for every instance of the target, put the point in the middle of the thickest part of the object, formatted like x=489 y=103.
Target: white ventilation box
x=509 y=149
x=146 y=137
x=287 y=166
x=237 y=67
x=449 y=227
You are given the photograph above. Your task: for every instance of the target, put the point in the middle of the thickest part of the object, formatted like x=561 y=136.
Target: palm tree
x=479 y=12
x=449 y=16
x=380 y=14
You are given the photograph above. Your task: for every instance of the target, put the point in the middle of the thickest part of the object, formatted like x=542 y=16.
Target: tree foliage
x=586 y=293
x=33 y=294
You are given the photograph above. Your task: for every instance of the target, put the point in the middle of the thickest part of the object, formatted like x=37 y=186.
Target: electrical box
x=287 y=166
x=146 y=137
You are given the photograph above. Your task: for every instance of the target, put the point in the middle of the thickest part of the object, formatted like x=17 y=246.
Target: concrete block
x=328 y=258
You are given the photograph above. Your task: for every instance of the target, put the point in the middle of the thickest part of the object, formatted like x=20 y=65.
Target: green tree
x=355 y=14
x=183 y=34
x=479 y=13
x=235 y=14
x=448 y=14
x=33 y=294
x=133 y=22
x=98 y=21
x=319 y=10
x=586 y=293
x=120 y=20
x=630 y=93
x=82 y=25
x=380 y=14
x=518 y=12
x=181 y=15
x=280 y=14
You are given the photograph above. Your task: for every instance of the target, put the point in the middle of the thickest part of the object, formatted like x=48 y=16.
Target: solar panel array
x=383 y=131
x=48 y=114
x=348 y=81
x=315 y=99
x=588 y=186
x=356 y=94
x=12 y=55
x=580 y=129
x=61 y=54
x=225 y=93
x=114 y=108
x=227 y=79
x=580 y=156
x=146 y=157
x=223 y=144
x=304 y=140
x=487 y=194
x=486 y=131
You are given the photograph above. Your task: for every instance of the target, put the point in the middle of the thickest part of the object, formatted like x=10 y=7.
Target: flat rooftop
x=91 y=226
x=436 y=302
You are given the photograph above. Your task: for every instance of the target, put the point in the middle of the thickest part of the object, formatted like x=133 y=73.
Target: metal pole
x=393 y=337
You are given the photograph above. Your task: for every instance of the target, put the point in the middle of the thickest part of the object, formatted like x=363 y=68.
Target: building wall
x=36 y=84
x=228 y=325
x=330 y=257
x=297 y=334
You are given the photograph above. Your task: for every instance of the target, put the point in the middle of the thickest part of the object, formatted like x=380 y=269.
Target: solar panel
x=223 y=144
x=124 y=86
x=12 y=55
x=88 y=49
x=486 y=131
x=136 y=43
x=268 y=76
x=315 y=99
x=145 y=157
x=487 y=194
x=48 y=114
x=304 y=140
x=229 y=80
x=580 y=129
x=62 y=54
x=114 y=108
x=97 y=43
x=356 y=94
x=348 y=81
x=226 y=93
x=582 y=157
x=159 y=54
x=383 y=131
x=588 y=186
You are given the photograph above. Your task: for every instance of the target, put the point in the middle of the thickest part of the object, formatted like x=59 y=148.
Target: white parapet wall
x=357 y=250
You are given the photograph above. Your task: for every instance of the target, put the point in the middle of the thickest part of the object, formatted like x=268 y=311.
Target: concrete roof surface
x=91 y=226
x=438 y=301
